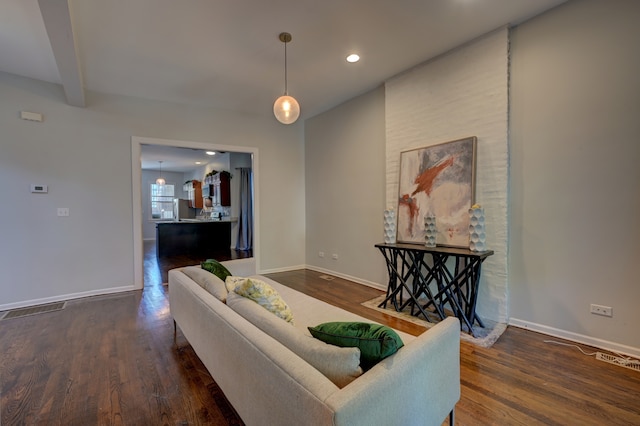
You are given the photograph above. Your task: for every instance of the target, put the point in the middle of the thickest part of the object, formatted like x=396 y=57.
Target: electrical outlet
x=320 y=254
x=63 y=211
x=334 y=256
x=605 y=311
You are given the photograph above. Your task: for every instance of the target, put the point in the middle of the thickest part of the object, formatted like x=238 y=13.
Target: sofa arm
x=419 y=385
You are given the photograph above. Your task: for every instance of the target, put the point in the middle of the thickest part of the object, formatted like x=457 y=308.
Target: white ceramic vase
x=389 y=226
x=430 y=231
x=477 y=234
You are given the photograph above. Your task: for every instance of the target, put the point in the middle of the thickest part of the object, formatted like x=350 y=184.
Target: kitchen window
x=162 y=201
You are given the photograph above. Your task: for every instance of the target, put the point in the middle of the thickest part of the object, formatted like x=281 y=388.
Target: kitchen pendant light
x=160 y=181
x=286 y=108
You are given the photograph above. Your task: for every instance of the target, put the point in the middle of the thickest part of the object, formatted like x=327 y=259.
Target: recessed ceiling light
x=198 y=162
x=353 y=58
x=211 y=153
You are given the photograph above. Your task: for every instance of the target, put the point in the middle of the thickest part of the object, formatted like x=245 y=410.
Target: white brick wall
x=459 y=94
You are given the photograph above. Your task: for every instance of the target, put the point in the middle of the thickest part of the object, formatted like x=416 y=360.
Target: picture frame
x=437 y=179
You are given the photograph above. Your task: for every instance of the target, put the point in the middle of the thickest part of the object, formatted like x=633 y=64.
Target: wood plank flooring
x=111 y=360
x=155 y=270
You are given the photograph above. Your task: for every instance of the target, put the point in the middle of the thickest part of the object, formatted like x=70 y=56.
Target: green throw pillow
x=376 y=342
x=216 y=268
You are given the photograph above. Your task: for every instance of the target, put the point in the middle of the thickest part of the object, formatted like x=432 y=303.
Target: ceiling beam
x=57 y=20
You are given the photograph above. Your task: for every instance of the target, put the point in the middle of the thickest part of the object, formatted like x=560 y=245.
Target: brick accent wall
x=461 y=93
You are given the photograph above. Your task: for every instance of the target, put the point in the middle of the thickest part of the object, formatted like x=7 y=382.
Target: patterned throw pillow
x=266 y=296
x=216 y=268
x=232 y=281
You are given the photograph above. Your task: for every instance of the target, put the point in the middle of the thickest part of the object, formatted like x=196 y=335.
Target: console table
x=414 y=267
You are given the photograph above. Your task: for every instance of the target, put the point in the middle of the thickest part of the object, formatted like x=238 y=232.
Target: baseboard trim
x=64 y=297
x=368 y=283
x=285 y=269
x=576 y=337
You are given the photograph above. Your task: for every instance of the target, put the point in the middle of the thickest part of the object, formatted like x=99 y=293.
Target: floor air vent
x=327 y=277
x=32 y=310
x=633 y=364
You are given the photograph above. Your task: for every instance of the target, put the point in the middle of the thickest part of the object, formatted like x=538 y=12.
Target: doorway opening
x=146 y=266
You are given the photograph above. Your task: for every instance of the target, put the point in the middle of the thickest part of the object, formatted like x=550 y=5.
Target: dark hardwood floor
x=111 y=360
x=155 y=270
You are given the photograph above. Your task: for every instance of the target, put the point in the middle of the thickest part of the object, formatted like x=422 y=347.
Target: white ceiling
x=175 y=159
x=226 y=53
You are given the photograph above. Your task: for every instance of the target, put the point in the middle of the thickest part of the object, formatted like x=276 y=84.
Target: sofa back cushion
x=208 y=281
x=340 y=365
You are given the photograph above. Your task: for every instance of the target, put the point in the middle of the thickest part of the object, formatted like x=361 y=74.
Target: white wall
x=575 y=172
x=345 y=189
x=84 y=155
x=462 y=93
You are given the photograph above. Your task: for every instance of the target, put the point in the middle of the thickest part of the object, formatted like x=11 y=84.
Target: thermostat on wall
x=31 y=116
x=42 y=189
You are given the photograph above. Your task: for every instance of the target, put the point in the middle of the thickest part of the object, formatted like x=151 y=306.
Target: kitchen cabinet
x=194 y=193
x=221 y=189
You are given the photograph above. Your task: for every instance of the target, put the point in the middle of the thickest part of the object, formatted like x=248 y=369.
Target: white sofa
x=268 y=384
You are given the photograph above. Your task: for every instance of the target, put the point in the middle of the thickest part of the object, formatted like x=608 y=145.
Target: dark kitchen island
x=194 y=238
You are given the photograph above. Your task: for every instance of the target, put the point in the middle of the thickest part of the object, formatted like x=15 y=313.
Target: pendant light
x=160 y=181
x=286 y=108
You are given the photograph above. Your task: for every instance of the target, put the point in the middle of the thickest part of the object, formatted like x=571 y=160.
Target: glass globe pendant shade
x=286 y=109
x=160 y=181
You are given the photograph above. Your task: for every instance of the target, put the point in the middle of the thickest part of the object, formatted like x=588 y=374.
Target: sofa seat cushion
x=340 y=365
x=264 y=295
x=375 y=341
x=210 y=282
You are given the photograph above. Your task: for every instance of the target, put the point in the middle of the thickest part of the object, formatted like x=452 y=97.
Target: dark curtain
x=244 y=239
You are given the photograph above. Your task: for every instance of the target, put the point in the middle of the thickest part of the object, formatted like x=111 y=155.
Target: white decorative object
x=477 y=235
x=390 y=226
x=430 y=230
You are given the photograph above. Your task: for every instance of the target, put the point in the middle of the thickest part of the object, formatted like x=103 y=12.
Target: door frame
x=136 y=193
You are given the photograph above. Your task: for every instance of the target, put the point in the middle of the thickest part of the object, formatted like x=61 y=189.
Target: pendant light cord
x=286 y=91
x=286 y=108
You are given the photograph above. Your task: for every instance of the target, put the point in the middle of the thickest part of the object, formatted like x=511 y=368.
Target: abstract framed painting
x=437 y=179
